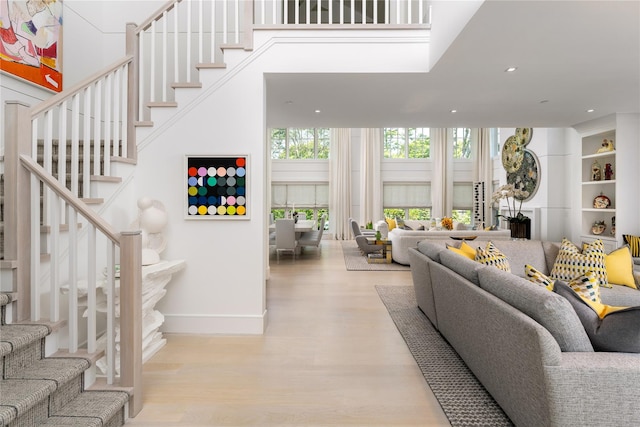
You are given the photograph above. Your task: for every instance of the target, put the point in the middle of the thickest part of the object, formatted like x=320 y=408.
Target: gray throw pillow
x=618 y=331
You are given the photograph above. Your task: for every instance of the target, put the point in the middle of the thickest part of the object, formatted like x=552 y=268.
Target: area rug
x=355 y=261
x=464 y=400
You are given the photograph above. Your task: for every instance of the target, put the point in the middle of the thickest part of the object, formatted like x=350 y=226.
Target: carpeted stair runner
x=35 y=390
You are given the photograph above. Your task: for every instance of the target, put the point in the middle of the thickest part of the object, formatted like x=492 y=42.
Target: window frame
x=407 y=142
x=287 y=143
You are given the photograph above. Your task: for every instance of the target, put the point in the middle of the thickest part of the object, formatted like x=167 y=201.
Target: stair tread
x=16 y=336
x=59 y=370
x=102 y=404
x=18 y=396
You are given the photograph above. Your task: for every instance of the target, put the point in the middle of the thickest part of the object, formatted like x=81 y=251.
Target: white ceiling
x=571 y=56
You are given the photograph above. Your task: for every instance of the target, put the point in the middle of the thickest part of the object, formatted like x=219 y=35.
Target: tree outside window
x=406 y=143
x=461 y=143
x=300 y=143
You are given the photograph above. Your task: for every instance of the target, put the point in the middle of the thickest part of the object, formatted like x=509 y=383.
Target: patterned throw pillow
x=634 y=244
x=537 y=277
x=571 y=264
x=587 y=286
x=491 y=255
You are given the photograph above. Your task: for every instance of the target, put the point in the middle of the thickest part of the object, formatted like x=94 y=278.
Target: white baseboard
x=215 y=324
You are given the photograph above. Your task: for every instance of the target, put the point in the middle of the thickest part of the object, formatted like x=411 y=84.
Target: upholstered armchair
x=365 y=247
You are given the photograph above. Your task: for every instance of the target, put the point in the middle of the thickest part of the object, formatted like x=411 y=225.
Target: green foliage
x=463 y=216
x=324 y=142
x=278 y=143
x=394 y=142
x=301 y=144
x=461 y=143
x=394 y=213
x=277 y=213
x=419 y=143
x=420 y=214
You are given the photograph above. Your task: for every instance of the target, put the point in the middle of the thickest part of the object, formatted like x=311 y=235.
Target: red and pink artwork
x=30 y=41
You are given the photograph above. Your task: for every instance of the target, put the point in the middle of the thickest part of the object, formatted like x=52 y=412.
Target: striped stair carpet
x=48 y=391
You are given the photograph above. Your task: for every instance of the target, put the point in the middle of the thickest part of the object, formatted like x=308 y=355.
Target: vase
x=520 y=229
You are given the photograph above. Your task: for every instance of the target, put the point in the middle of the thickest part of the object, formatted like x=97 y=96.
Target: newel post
x=132 y=48
x=131 y=316
x=17 y=199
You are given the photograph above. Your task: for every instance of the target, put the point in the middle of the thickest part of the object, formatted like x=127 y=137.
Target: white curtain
x=340 y=182
x=482 y=167
x=370 y=177
x=442 y=180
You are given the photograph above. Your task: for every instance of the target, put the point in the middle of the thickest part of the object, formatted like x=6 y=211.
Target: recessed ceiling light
x=590 y=110
x=454 y=111
x=511 y=69
x=317 y=111
x=544 y=101
x=288 y=102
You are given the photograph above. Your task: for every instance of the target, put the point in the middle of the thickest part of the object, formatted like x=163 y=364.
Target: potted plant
x=519 y=224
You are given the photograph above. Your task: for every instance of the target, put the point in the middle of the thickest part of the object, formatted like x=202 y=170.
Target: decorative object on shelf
x=152 y=219
x=216 y=187
x=601 y=202
x=608 y=171
x=447 y=223
x=607 y=145
x=378 y=235
x=596 y=171
x=613 y=225
x=598 y=227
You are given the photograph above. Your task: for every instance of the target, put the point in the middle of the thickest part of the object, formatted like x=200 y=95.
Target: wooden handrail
x=68 y=93
x=158 y=14
x=64 y=193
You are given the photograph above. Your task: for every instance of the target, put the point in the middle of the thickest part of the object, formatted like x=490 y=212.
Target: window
x=407 y=200
x=406 y=143
x=495 y=141
x=462 y=202
x=461 y=143
x=311 y=199
x=300 y=143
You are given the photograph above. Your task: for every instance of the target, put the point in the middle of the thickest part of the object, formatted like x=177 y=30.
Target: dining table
x=300 y=227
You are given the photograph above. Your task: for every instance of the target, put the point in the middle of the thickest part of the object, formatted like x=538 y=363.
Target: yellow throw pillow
x=570 y=263
x=634 y=244
x=620 y=267
x=537 y=277
x=464 y=250
x=587 y=286
x=491 y=255
x=391 y=223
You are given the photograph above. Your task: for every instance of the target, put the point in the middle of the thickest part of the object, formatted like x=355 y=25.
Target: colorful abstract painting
x=31 y=41
x=216 y=187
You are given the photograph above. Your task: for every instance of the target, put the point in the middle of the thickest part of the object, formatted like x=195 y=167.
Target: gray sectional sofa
x=524 y=343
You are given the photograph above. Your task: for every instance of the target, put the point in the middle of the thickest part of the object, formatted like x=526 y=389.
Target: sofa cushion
x=490 y=255
x=571 y=263
x=461 y=265
x=619 y=266
x=609 y=328
x=551 y=250
x=620 y=296
x=432 y=248
x=634 y=244
x=547 y=308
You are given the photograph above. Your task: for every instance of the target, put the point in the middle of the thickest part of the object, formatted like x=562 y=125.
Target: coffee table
x=383 y=257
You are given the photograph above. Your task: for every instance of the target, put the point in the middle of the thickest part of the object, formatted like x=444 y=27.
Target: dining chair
x=357 y=231
x=313 y=238
x=285 y=237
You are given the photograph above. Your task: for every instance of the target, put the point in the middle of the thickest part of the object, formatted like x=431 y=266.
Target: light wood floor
x=331 y=356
